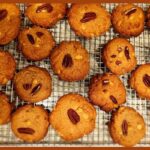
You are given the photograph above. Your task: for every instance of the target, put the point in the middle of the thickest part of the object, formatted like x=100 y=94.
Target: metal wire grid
x=100 y=136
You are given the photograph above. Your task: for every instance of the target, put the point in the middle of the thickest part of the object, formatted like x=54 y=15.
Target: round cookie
x=36 y=43
x=45 y=14
x=127 y=127
x=128 y=20
x=5 y=109
x=76 y=117
x=107 y=91
x=9 y=22
x=33 y=84
x=148 y=18
x=119 y=56
x=89 y=20
x=140 y=81
x=70 y=61
x=7 y=67
x=30 y=123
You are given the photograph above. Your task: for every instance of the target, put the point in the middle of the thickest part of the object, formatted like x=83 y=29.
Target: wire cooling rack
x=100 y=137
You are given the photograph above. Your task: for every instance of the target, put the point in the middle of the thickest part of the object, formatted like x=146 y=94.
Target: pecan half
x=118 y=62
x=124 y=127
x=26 y=131
x=3 y=14
x=45 y=6
x=105 y=82
x=73 y=116
x=27 y=86
x=36 y=89
x=114 y=100
x=39 y=34
x=126 y=52
x=30 y=38
x=130 y=11
x=67 y=61
x=88 y=17
x=146 y=80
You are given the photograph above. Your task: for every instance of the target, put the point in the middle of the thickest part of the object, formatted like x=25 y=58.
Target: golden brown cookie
x=73 y=117
x=30 y=123
x=148 y=18
x=36 y=43
x=107 y=91
x=128 y=20
x=7 y=67
x=140 y=80
x=127 y=127
x=5 y=109
x=33 y=84
x=119 y=56
x=45 y=14
x=89 y=20
x=70 y=61
x=9 y=22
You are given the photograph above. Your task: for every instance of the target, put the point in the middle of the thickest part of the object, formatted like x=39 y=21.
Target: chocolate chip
x=105 y=82
x=118 y=62
x=39 y=34
x=146 y=80
x=30 y=38
x=26 y=131
x=27 y=86
x=130 y=11
x=36 y=89
x=67 y=61
x=88 y=17
x=113 y=56
x=3 y=14
x=114 y=100
x=73 y=116
x=124 y=127
x=46 y=7
x=126 y=52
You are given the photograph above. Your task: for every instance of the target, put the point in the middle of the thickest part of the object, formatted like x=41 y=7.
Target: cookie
x=89 y=20
x=127 y=127
x=140 y=81
x=5 y=109
x=7 y=67
x=30 y=123
x=9 y=22
x=76 y=117
x=45 y=14
x=35 y=43
x=33 y=84
x=119 y=56
x=148 y=18
x=128 y=20
x=107 y=91
x=70 y=61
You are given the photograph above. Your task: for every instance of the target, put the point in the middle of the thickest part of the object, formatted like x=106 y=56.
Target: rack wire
x=100 y=136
